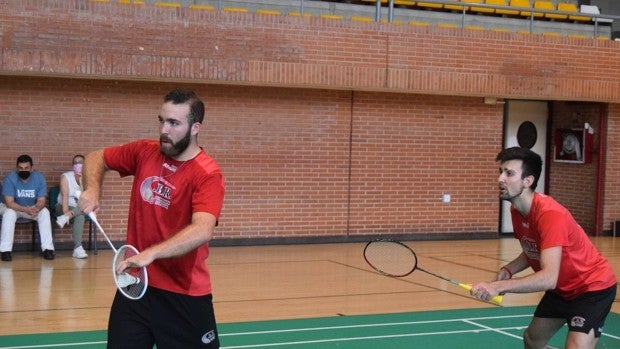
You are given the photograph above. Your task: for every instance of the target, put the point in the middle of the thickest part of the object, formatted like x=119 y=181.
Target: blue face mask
x=23 y=174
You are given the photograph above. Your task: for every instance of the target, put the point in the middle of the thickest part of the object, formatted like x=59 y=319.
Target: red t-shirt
x=164 y=195
x=549 y=224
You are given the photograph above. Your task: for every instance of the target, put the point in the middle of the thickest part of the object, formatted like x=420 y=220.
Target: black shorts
x=583 y=313
x=169 y=320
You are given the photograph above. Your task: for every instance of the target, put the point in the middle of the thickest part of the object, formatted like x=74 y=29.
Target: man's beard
x=508 y=197
x=176 y=148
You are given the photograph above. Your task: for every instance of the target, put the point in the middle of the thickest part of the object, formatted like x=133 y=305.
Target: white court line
x=467 y=320
x=611 y=336
x=501 y=332
x=344 y=339
x=305 y=329
x=487 y=328
x=60 y=345
x=312 y=329
x=348 y=339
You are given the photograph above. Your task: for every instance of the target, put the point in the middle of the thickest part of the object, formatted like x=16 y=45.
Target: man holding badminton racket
x=579 y=283
x=176 y=199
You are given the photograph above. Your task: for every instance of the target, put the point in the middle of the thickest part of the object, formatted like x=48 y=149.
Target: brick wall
x=575 y=185
x=298 y=163
x=408 y=150
x=79 y=38
x=611 y=168
x=322 y=128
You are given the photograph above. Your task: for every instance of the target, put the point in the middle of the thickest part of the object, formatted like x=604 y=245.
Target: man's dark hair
x=532 y=162
x=196 y=107
x=23 y=158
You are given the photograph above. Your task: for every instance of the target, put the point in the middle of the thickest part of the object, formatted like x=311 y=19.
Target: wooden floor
x=265 y=283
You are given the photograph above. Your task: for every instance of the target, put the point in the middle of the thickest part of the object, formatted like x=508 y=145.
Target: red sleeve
x=125 y=158
x=553 y=229
x=208 y=195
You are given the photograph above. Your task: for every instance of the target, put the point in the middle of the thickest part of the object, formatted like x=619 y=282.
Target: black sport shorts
x=167 y=319
x=583 y=313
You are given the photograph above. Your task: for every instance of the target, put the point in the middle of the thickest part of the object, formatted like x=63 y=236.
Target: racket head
x=134 y=281
x=390 y=257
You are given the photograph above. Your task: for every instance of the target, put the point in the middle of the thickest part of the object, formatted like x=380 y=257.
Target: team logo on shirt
x=156 y=191
x=530 y=248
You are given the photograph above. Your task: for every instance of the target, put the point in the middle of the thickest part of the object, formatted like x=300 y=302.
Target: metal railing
x=596 y=19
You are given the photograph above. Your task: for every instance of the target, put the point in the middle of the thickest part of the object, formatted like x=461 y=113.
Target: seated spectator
x=67 y=208
x=25 y=192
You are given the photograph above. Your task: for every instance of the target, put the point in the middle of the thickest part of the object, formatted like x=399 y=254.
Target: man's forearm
x=93 y=171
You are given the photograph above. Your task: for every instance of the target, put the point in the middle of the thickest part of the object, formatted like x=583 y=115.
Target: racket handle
x=497 y=299
x=92 y=216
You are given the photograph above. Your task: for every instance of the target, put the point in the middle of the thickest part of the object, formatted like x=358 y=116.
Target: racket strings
x=133 y=282
x=390 y=258
x=131 y=285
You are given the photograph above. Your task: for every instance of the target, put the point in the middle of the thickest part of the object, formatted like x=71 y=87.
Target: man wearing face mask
x=67 y=208
x=25 y=192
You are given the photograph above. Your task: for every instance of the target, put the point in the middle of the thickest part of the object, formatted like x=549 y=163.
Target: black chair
x=35 y=230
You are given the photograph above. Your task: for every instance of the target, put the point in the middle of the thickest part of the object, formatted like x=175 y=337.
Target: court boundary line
x=492 y=329
x=372 y=325
x=349 y=339
x=59 y=345
x=468 y=320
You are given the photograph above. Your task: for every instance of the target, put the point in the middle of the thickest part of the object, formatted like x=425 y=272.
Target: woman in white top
x=67 y=208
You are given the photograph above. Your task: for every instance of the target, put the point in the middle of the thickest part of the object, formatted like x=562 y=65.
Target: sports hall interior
x=334 y=122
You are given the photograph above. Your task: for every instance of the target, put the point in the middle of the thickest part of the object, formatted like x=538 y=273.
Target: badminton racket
x=393 y=258
x=132 y=282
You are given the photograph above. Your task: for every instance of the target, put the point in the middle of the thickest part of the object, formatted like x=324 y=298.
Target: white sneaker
x=79 y=253
x=62 y=220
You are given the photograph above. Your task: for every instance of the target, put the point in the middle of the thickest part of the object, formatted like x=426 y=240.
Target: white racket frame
x=116 y=276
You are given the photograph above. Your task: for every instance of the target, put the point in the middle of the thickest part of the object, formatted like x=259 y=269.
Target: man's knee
x=44 y=213
x=527 y=339
x=9 y=215
x=530 y=340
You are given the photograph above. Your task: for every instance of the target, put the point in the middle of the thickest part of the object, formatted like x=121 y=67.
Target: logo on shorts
x=577 y=321
x=208 y=337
